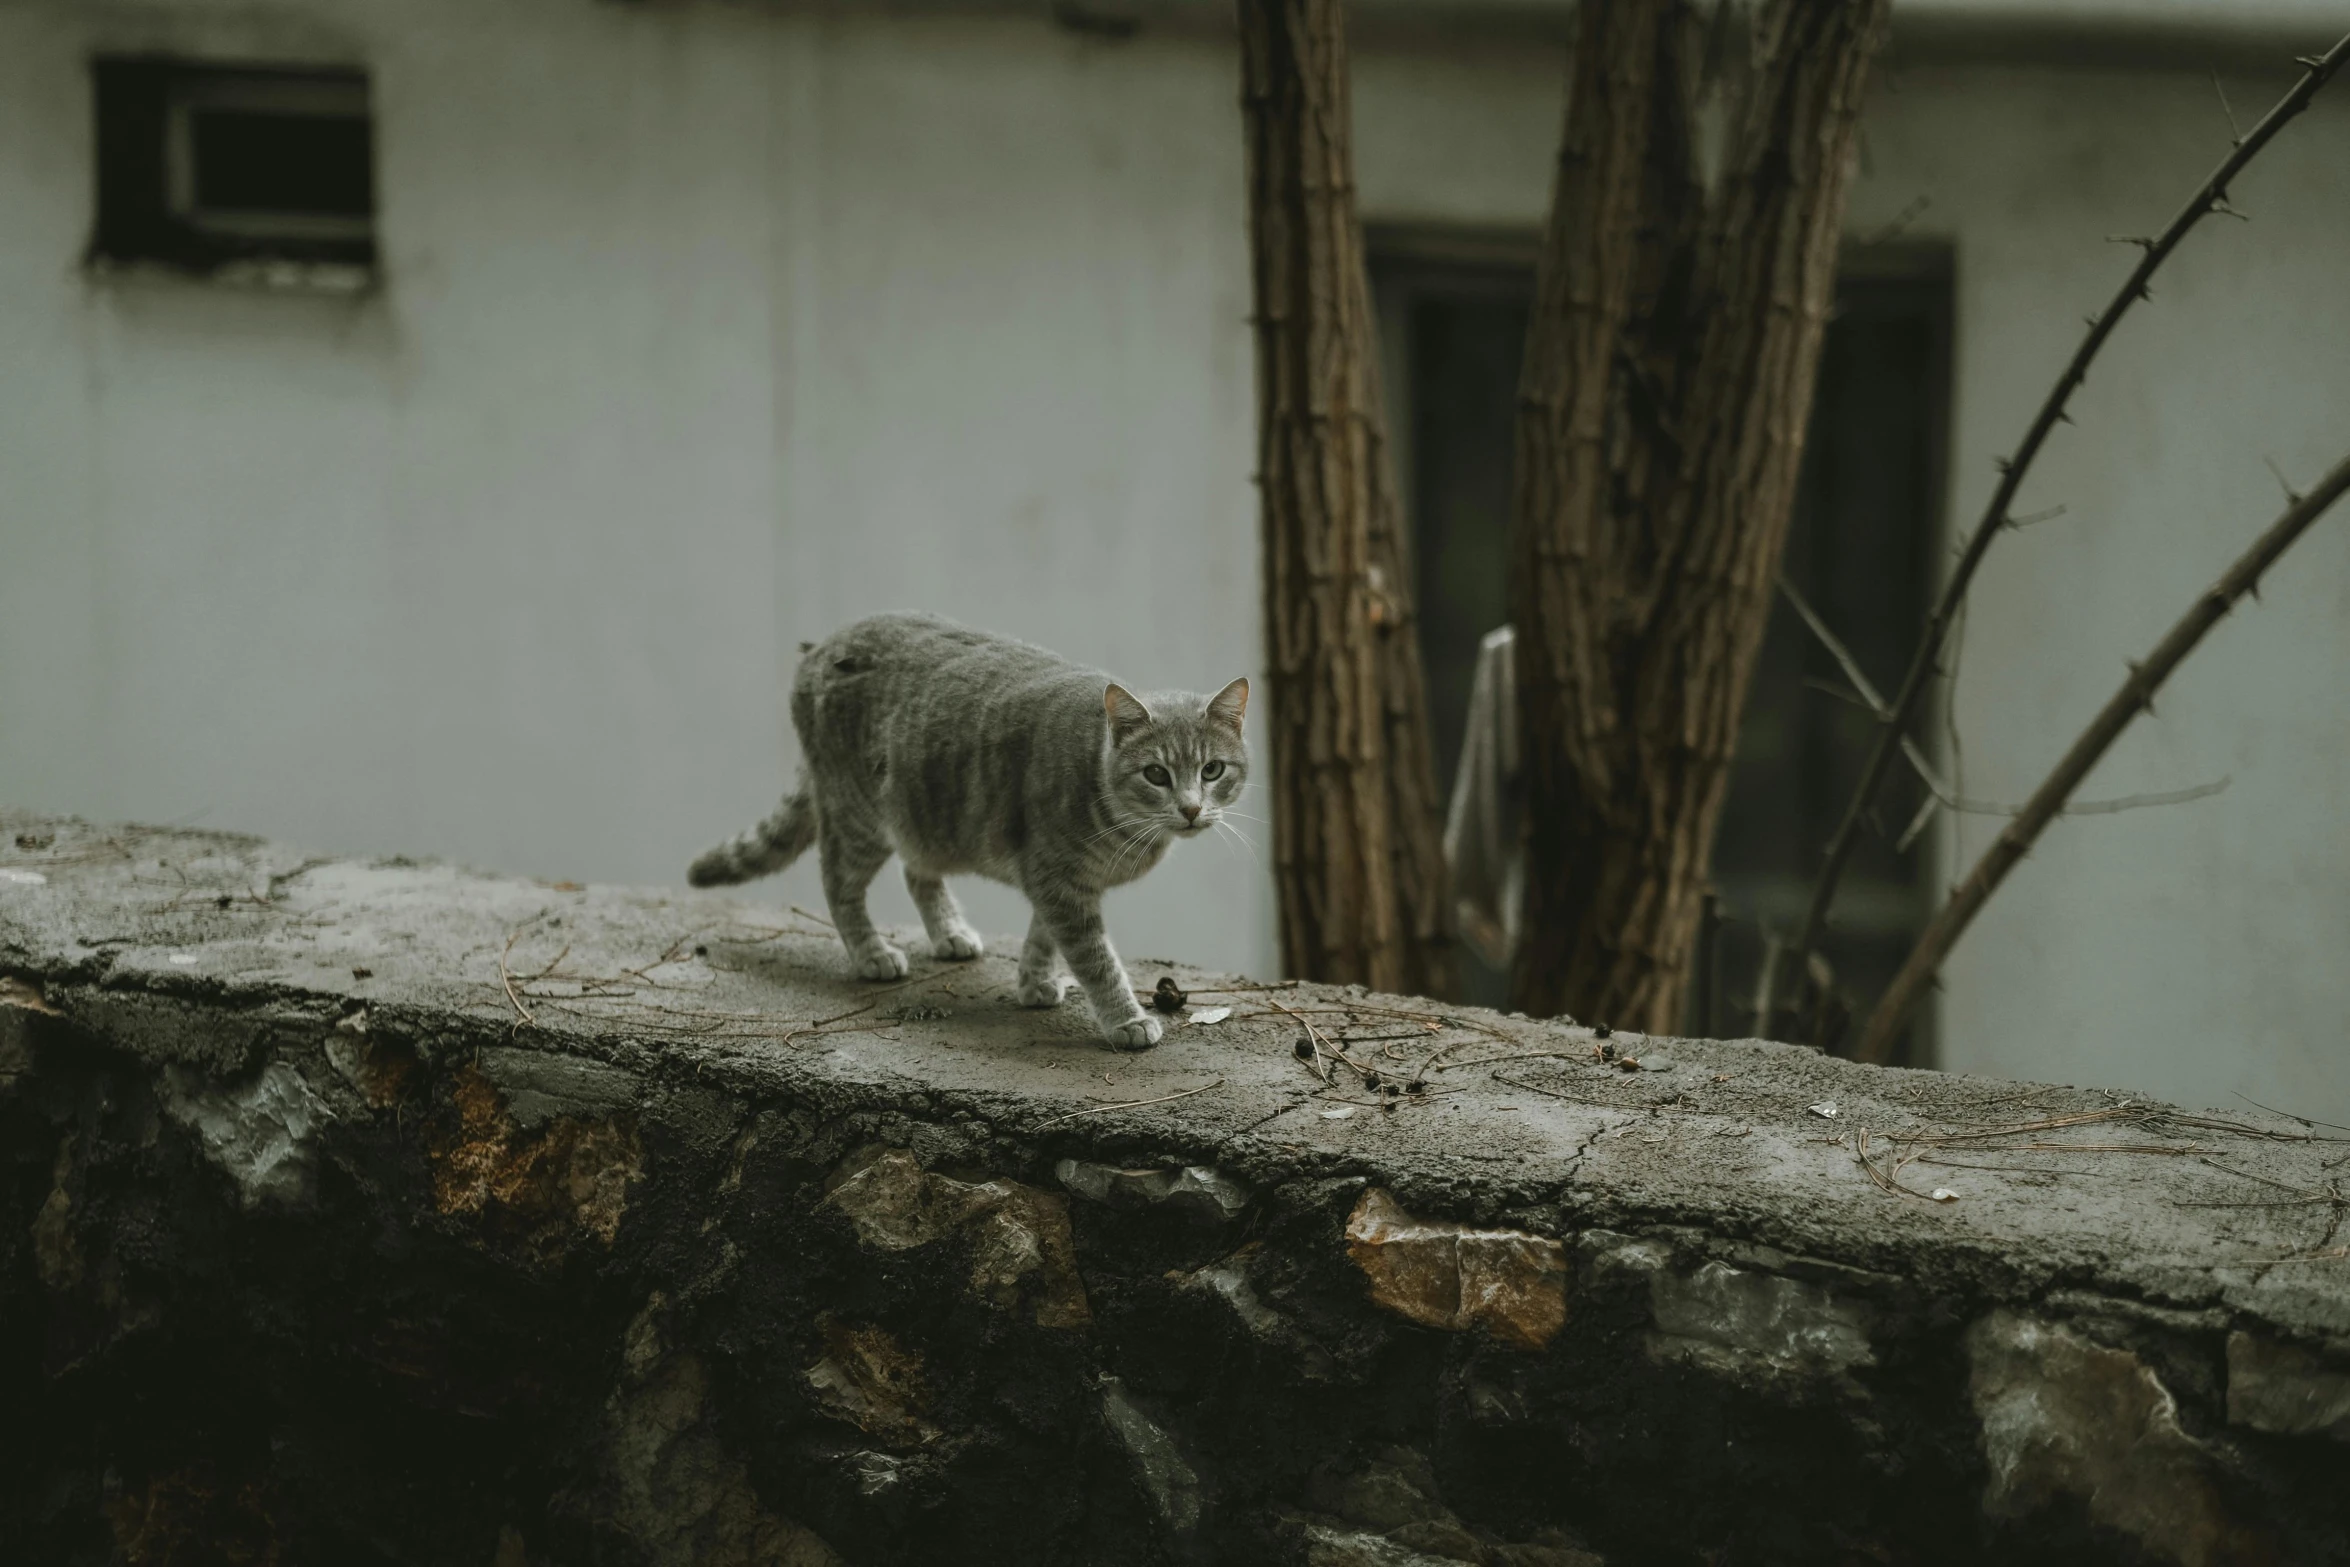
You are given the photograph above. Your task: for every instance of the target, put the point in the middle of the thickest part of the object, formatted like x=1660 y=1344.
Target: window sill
x=263 y=275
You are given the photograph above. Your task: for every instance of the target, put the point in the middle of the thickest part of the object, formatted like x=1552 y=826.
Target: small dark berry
x=1303 y=1049
x=1415 y=1086
x=1166 y=997
x=1602 y=1030
x=701 y=951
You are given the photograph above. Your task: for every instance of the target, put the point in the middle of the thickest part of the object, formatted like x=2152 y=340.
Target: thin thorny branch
x=1940 y=794
x=2209 y=198
x=2136 y=695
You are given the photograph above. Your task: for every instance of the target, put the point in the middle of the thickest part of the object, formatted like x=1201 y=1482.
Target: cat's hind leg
x=1076 y=927
x=851 y=856
x=1040 y=983
x=951 y=935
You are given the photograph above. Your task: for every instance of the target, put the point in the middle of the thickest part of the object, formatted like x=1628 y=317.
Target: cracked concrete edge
x=127 y=936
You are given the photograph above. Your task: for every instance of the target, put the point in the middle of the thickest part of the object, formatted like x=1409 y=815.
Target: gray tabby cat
x=971 y=753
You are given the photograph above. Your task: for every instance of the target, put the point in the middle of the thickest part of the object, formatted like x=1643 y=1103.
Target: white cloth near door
x=1481 y=841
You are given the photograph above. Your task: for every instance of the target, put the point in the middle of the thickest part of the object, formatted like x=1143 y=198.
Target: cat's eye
x=1212 y=772
x=1157 y=774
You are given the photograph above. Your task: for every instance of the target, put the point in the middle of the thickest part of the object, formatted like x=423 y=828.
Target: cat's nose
x=1190 y=813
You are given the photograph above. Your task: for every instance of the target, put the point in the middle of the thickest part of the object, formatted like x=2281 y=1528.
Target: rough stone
x=869 y=1379
x=2286 y=1389
x=257 y=1132
x=673 y=1490
x=329 y=1244
x=541 y=1085
x=565 y=1180
x=1453 y=1276
x=2067 y=1421
x=1744 y=1323
x=1195 y=1189
x=1172 y=1483
x=1019 y=1236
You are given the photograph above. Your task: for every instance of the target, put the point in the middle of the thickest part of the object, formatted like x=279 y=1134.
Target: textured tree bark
x=1357 y=845
x=1668 y=378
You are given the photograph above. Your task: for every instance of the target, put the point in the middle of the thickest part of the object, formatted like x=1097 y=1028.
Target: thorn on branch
x=2032 y=519
x=2235 y=132
x=2310 y=62
x=2292 y=496
x=2142 y=241
x=2222 y=207
x=2064 y=416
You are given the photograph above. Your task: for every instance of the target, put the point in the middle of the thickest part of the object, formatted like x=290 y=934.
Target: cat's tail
x=767 y=848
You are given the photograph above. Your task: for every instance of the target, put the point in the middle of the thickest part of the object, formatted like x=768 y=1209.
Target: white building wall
x=710 y=328
x=705 y=331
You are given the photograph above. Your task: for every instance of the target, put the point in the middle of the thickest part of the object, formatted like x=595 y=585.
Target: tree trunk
x=1668 y=379
x=1358 y=853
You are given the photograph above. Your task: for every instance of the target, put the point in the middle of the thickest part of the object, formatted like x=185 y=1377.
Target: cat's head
x=1177 y=763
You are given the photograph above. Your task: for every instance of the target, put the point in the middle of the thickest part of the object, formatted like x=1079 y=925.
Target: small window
x=214 y=169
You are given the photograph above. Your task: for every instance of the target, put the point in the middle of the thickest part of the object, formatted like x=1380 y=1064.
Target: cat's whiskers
x=1119 y=825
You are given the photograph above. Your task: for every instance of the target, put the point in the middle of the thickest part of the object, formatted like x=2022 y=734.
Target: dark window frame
x=1887 y=898
x=149 y=202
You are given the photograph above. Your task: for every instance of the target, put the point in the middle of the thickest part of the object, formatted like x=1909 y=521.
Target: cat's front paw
x=957 y=944
x=877 y=959
x=1042 y=990
x=1137 y=1033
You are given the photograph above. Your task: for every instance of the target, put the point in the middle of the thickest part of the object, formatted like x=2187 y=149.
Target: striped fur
x=965 y=753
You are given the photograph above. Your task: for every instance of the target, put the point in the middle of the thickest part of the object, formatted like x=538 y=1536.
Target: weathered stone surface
x=1173 y=1485
x=2067 y=1422
x=2287 y=1389
x=258 y=1132
x=396 y=1216
x=1194 y=1189
x=871 y=1380
x=670 y=1487
x=1742 y=1322
x=566 y=1180
x=1453 y=1276
x=1019 y=1236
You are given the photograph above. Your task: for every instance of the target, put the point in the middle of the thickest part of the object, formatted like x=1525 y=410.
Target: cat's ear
x=1127 y=714
x=1230 y=705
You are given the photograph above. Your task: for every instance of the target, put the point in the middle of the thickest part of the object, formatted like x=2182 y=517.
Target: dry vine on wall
x=1358 y=854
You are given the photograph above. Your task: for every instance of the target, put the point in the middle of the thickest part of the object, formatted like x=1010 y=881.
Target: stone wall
x=390 y=1212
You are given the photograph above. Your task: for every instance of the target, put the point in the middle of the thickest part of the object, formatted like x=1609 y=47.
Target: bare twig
x=1129 y=1104
x=2290 y=1116
x=2135 y=696
x=506 y=974
x=1321 y=1068
x=2210 y=197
